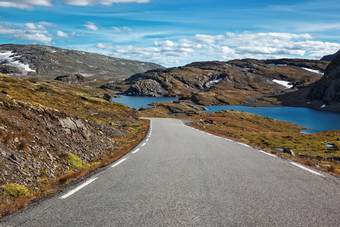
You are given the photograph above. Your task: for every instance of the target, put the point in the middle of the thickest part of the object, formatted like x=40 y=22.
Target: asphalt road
x=180 y=176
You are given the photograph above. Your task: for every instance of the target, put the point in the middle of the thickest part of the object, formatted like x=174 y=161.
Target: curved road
x=179 y=176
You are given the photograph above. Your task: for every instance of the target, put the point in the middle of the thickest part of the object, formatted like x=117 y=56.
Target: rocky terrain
x=51 y=131
x=47 y=61
x=323 y=94
x=232 y=82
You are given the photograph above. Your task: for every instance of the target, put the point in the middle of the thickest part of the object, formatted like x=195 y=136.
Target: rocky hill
x=324 y=94
x=232 y=82
x=52 y=132
x=329 y=57
x=47 y=61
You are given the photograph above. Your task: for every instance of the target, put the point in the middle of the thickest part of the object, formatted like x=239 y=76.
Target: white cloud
x=225 y=47
x=63 y=34
x=105 y=46
x=91 y=26
x=30 y=31
x=30 y=4
x=122 y=29
x=103 y=2
x=25 y=4
x=208 y=39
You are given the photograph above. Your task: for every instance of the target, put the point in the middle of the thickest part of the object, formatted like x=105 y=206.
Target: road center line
x=307 y=169
x=143 y=144
x=135 y=151
x=147 y=140
x=78 y=188
x=117 y=163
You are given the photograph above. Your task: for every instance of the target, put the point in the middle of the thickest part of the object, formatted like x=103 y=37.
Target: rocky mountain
x=329 y=57
x=232 y=82
x=323 y=94
x=47 y=61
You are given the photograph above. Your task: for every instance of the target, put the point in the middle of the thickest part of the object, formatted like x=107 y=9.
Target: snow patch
x=7 y=58
x=312 y=70
x=286 y=84
x=213 y=82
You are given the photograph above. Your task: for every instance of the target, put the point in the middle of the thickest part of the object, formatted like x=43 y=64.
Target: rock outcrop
x=232 y=82
x=327 y=89
x=71 y=78
x=329 y=57
x=323 y=94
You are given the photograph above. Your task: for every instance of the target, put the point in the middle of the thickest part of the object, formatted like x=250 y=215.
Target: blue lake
x=138 y=101
x=313 y=120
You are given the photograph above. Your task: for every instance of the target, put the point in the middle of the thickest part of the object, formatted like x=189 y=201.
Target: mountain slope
x=50 y=131
x=324 y=94
x=38 y=60
x=232 y=82
x=329 y=57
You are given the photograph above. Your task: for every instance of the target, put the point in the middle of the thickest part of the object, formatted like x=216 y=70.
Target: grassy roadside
x=15 y=199
x=317 y=150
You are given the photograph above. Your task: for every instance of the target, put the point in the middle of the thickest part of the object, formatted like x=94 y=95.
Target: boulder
x=71 y=78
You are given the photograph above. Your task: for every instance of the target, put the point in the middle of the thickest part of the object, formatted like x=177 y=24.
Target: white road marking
x=267 y=153
x=143 y=144
x=307 y=169
x=243 y=144
x=147 y=140
x=78 y=188
x=135 y=151
x=117 y=163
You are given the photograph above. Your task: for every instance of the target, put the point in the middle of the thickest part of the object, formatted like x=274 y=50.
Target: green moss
x=75 y=161
x=16 y=190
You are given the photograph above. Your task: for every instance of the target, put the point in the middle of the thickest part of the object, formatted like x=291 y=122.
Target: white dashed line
x=147 y=140
x=78 y=188
x=117 y=163
x=135 y=151
x=143 y=144
x=307 y=169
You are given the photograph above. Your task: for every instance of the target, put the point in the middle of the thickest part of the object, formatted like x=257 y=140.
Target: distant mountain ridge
x=40 y=60
x=231 y=82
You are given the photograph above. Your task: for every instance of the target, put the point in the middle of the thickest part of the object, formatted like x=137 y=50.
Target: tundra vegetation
x=53 y=133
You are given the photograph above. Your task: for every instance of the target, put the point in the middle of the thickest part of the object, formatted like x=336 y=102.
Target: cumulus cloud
x=30 y=4
x=91 y=26
x=203 y=47
x=30 y=31
x=62 y=34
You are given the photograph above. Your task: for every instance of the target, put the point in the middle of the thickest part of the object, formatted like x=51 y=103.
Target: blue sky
x=176 y=32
